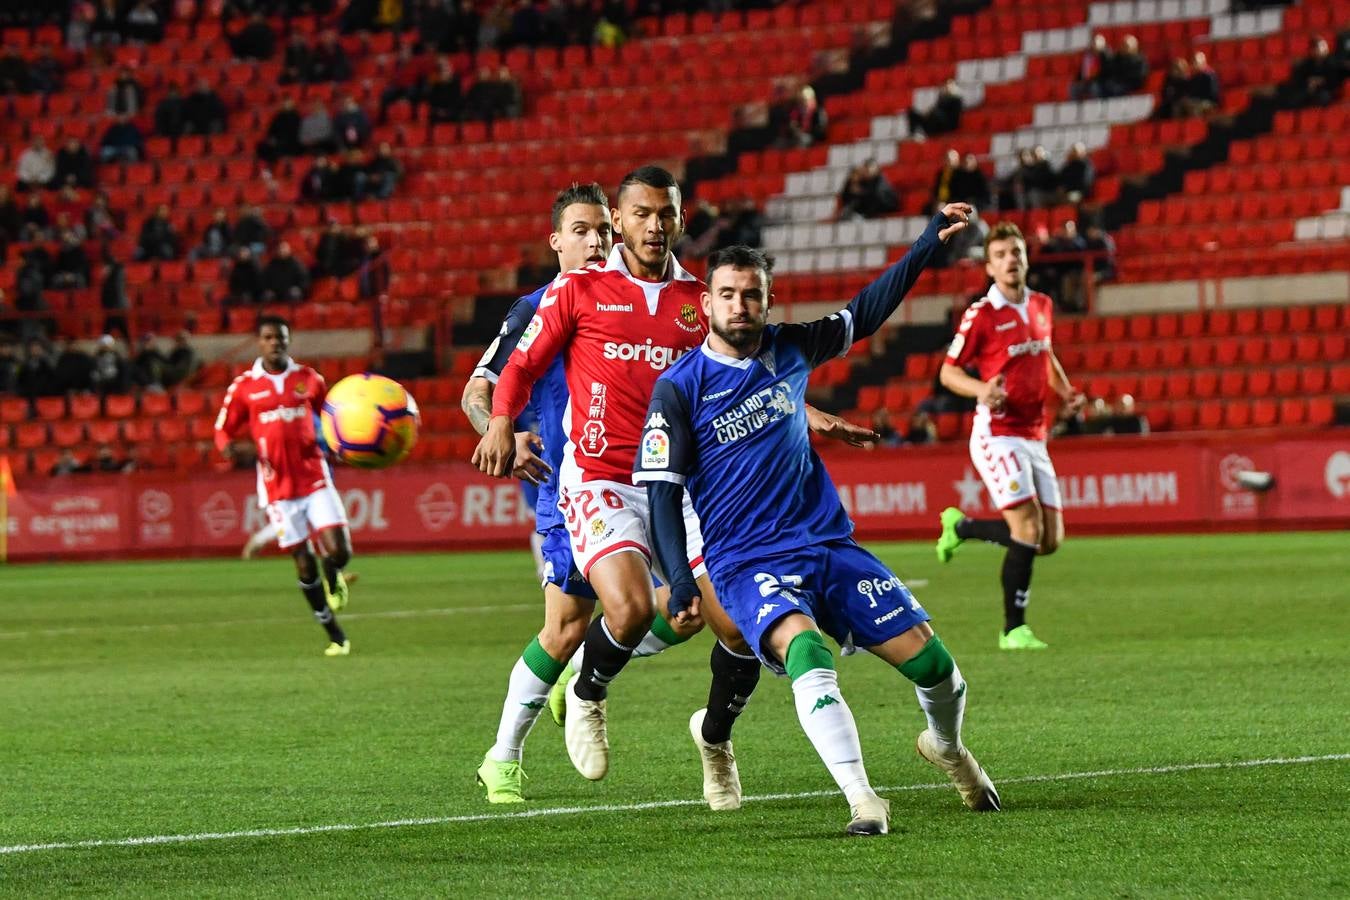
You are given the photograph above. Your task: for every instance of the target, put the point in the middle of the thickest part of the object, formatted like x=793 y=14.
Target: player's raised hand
x=835 y=428
x=497 y=449
x=529 y=466
x=994 y=394
x=958 y=214
x=683 y=602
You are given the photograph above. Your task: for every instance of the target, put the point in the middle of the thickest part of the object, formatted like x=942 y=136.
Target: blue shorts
x=559 y=568
x=849 y=593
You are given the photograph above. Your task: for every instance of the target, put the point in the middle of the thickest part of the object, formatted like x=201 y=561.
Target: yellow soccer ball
x=369 y=421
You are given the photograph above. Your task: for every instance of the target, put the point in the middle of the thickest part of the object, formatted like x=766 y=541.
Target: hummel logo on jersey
x=1005 y=326
x=613 y=307
x=823 y=702
x=657 y=421
x=764 y=611
x=259 y=395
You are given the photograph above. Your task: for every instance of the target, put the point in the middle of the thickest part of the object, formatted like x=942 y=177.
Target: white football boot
x=585 y=733
x=974 y=786
x=721 y=779
x=871 y=816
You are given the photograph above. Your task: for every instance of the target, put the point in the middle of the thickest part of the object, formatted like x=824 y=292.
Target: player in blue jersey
x=728 y=424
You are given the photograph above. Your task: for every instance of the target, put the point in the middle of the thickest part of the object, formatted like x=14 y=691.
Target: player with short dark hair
x=1005 y=335
x=727 y=425
x=275 y=401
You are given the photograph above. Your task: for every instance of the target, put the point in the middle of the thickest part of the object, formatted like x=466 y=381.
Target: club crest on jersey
x=655 y=449
x=688 y=318
x=531 y=332
x=301 y=389
x=597 y=527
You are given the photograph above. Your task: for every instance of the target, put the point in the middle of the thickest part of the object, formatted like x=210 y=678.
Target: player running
x=581 y=236
x=275 y=401
x=727 y=424
x=1006 y=336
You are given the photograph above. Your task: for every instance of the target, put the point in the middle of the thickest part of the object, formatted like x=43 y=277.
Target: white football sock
x=526 y=696
x=650 y=645
x=828 y=723
x=945 y=706
x=575 y=661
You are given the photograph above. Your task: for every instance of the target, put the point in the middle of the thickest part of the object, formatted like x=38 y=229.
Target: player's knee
x=1048 y=545
x=564 y=636
x=628 y=622
x=339 y=554
x=306 y=566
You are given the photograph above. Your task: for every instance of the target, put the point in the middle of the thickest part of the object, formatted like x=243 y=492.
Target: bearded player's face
x=1007 y=264
x=737 y=305
x=650 y=221
x=584 y=236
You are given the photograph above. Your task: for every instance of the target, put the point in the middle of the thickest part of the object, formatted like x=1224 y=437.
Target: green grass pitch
x=154 y=699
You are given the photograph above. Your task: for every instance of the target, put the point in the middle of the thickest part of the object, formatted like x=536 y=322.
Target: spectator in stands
x=351 y=124
x=204 y=111
x=10 y=360
x=215 y=243
x=170 y=116
x=806 y=121
x=11 y=219
x=100 y=222
x=1202 y=91
x=37 y=166
x=74 y=369
x=283 y=133
x=37 y=372
x=111 y=374
x=143 y=23
x=67 y=209
x=78 y=26
x=971 y=184
x=867 y=194
x=1039 y=180
x=920 y=429
x=329 y=253
x=46 y=74
x=320 y=182
x=887 y=436
x=445 y=97
x=126 y=96
x=1128 y=70
x=183 y=360
x=1098 y=241
x=510 y=100
x=251 y=230
x=741 y=223
x=359 y=15
x=13 y=73
x=71 y=269
x=579 y=18
x=113 y=295
x=350 y=179
x=256 y=40
x=1317 y=78
x=1062 y=279
x=609 y=33
x=966 y=245
x=409 y=81
x=245 y=284
x=383 y=173
x=121 y=142
x=74 y=165
x=1077 y=175
x=329 y=61
x=372 y=276
x=295 y=60
x=36 y=222
x=68 y=464
x=284 y=278
x=159 y=239
x=945 y=114
x=106 y=28
x=946 y=180
x=316 y=130
x=148 y=365
x=1094 y=68
x=1171 y=103
x=108 y=462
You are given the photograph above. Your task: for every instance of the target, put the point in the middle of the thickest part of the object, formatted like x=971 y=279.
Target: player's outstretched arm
x=666 y=502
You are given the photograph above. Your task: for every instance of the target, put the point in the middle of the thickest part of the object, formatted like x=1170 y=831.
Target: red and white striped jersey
x=617 y=334
x=996 y=336
x=278 y=412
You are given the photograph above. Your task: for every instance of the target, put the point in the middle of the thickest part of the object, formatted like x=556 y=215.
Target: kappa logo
x=533 y=704
x=823 y=702
x=657 y=421
x=715 y=395
x=764 y=611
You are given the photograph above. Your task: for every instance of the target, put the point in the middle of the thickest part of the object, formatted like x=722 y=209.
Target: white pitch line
x=219 y=623
x=636 y=807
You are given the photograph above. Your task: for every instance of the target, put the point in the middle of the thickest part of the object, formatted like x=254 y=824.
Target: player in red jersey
x=619 y=327
x=275 y=401
x=1005 y=336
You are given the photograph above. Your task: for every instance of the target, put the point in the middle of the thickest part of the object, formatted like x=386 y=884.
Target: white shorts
x=1014 y=469
x=295 y=520
x=608 y=517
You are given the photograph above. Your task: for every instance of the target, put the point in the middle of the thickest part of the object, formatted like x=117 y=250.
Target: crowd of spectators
x=798 y=120
x=60 y=367
x=943 y=117
x=1103 y=72
x=1318 y=77
x=867 y=193
x=1190 y=89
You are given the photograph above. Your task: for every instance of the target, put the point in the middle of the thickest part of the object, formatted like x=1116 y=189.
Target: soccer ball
x=369 y=421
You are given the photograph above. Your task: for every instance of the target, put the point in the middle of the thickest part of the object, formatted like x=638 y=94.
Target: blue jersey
x=548 y=401
x=734 y=431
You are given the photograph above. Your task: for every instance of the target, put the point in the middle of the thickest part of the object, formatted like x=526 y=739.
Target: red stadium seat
x=104 y=431
x=119 y=406
x=1339 y=376
x=50 y=408
x=138 y=431
x=155 y=404
x=67 y=434
x=85 y=406
x=29 y=435
x=1264 y=413
x=1237 y=414
x=1293 y=411
x=1321 y=411
x=1184 y=415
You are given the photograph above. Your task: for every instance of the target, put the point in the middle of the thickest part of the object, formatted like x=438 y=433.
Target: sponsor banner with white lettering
x=1121 y=484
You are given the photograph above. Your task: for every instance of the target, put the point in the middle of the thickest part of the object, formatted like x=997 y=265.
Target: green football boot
x=338 y=597
x=947 y=542
x=557 y=696
x=502 y=780
x=1021 y=638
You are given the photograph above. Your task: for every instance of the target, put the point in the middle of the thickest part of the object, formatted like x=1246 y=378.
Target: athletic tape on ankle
x=545 y=668
x=931 y=665
x=807 y=651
